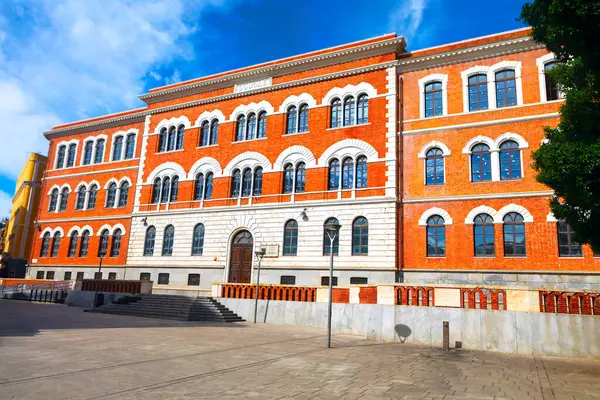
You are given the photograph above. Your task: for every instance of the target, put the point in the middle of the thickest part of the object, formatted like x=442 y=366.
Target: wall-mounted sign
x=246 y=86
x=272 y=250
x=34 y=260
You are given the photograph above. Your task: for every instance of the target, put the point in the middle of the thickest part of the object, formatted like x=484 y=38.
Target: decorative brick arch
x=118 y=226
x=248 y=159
x=527 y=217
x=433 y=144
x=167 y=169
x=480 y=210
x=76 y=229
x=511 y=136
x=67 y=186
x=125 y=179
x=304 y=98
x=435 y=211
x=111 y=181
x=244 y=109
x=87 y=228
x=348 y=147
x=55 y=186
x=80 y=184
x=175 y=121
x=46 y=230
x=94 y=182
x=349 y=90
x=209 y=116
x=551 y=218
x=479 y=139
x=294 y=154
x=103 y=228
x=204 y=165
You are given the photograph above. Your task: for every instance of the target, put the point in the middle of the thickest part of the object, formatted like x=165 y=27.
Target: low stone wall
x=78 y=298
x=502 y=331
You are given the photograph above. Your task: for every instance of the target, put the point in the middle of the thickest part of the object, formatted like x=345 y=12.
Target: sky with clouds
x=65 y=60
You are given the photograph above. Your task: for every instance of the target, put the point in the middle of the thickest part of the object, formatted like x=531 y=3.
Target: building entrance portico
x=240 y=267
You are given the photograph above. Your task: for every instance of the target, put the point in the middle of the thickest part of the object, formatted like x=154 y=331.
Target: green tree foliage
x=569 y=159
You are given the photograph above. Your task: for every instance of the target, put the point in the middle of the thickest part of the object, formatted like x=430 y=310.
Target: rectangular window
x=97 y=275
x=50 y=275
x=67 y=276
x=112 y=276
x=325 y=281
x=80 y=275
x=193 y=279
x=145 y=276
x=356 y=280
x=39 y=275
x=597 y=253
x=287 y=280
x=163 y=279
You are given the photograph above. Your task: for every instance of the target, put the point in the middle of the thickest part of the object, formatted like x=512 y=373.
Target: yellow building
x=19 y=233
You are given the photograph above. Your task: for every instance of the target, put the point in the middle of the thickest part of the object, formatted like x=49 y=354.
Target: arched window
x=45 y=245
x=99 y=156
x=172 y=139
x=117 y=148
x=166 y=187
x=209 y=186
x=483 y=234
x=162 y=140
x=288 y=178
x=180 y=136
x=80 y=203
x=199 y=186
x=290 y=238
x=478 y=93
x=363 y=109
x=300 y=177
x=85 y=242
x=64 y=199
x=436 y=236
x=236 y=179
x=111 y=195
x=567 y=246
x=115 y=248
x=292 y=114
x=361 y=172
x=167 y=248
x=53 y=200
x=103 y=244
x=336 y=113
x=506 y=88
x=87 y=152
x=552 y=92
x=334 y=174
x=327 y=239
x=258 y=175
x=240 y=128
x=251 y=133
x=214 y=131
x=514 y=235
x=349 y=111
x=347 y=173
x=71 y=155
x=303 y=118
x=481 y=164
x=149 y=241
x=360 y=236
x=262 y=125
x=123 y=194
x=55 y=244
x=198 y=240
x=204 y=133
x=130 y=147
x=247 y=182
x=73 y=244
x=60 y=159
x=434 y=167
x=174 y=189
x=434 y=103
x=156 y=191
x=510 y=160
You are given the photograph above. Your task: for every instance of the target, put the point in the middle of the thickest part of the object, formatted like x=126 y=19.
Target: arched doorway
x=240 y=266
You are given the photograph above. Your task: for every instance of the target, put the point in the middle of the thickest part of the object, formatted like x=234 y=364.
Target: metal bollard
x=446 y=336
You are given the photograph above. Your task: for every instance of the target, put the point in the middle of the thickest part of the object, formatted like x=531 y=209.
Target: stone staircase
x=181 y=308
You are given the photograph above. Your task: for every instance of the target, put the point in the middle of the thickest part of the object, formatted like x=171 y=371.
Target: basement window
x=50 y=275
x=112 y=276
x=287 y=280
x=67 y=276
x=325 y=281
x=145 y=276
x=80 y=275
x=39 y=275
x=163 y=279
x=193 y=279
x=355 y=280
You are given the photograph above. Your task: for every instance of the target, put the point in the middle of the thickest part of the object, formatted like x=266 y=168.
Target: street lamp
x=100 y=266
x=260 y=253
x=332 y=230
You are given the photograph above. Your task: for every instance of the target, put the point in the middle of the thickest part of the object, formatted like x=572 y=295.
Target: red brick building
x=186 y=188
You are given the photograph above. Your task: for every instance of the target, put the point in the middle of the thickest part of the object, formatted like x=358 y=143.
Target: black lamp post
x=260 y=253
x=332 y=231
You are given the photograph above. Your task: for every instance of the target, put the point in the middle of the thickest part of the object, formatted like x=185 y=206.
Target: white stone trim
x=125 y=179
x=66 y=143
x=435 y=211
x=511 y=136
x=509 y=195
x=55 y=186
x=67 y=186
x=172 y=122
x=348 y=148
x=142 y=165
x=466 y=74
x=527 y=217
x=94 y=182
x=124 y=134
x=469 y=220
x=104 y=227
x=167 y=169
x=110 y=181
x=87 y=228
x=209 y=116
x=391 y=153
x=118 y=226
x=424 y=81
x=46 y=230
x=479 y=139
x=445 y=150
x=551 y=218
x=93 y=139
x=76 y=229
x=294 y=100
x=248 y=159
x=349 y=90
x=52 y=231
x=80 y=184
x=244 y=109
x=204 y=165
x=517 y=66
x=541 y=65
x=295 y=154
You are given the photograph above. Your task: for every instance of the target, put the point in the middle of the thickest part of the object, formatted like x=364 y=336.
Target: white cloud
x=76 y=59
x=406 y=17
x=5 y=204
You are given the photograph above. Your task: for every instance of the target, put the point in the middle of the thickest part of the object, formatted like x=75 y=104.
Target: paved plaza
x=52 y=351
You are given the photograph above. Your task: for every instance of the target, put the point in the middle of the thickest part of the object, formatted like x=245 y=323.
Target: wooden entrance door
x=241 y=258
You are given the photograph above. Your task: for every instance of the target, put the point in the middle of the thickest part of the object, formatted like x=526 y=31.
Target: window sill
x=347 y=126
x=295 y=134
x=436 y=257
x=571 y=257
x=516 y=257
x=484 y=257
x=207 y=146
x=168 y=151
x=510 y=180
x=249 y=140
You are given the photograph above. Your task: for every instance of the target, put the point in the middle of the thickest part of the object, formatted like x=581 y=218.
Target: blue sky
x=64 y=60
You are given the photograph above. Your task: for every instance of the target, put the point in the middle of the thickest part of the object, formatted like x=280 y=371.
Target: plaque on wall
x=246 y=86
x=272 y=250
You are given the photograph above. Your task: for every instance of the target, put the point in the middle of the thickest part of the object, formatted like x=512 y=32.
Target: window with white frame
x=549 y=91
x=171 y=138
x=251 y=126
x=246 y=182
x=433 y=95
x=203 y=186
x=350 y=173
x=209 y=132
x=349 y=110
x=165 y=189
